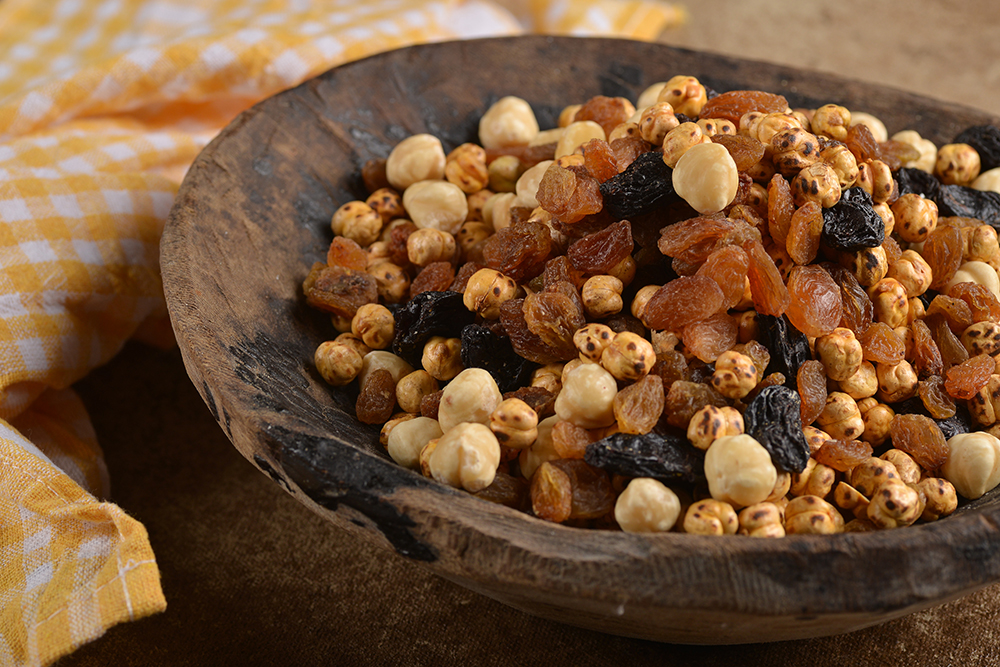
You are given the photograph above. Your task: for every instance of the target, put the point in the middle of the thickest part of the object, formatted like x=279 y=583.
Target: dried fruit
x=338 y=290
x=539 y=399
x=430 y=403
x=734 y=104
x=551 y=493
x=644 y=186
x=377 y=398
x=745 y=151
x=507 y=490
x=683 y=301
x=943 y=253
x=527 y=343
x=773 y=418
x=789 y=347
x=859 y=311
x=638 y=406
x=554 y=316
x=603 y=251
x=663 y=456
x=685 y=398
x=804 y=233
x=983 y=305
x=815 y=306
x=608 y=112
x=881 y=345
x=925 y=355
x=727 y=266
x=346 y=254
x=921 y=438
x=780 y=208
x=862 y=143
x=570 y=441
x=852 y=222
x=482 y=348
x=811 y=383
x=519 y=251
x=935 y=398
x=569 y=193
x=599 y=160
x=951 y=348
x=770 y=296
x=956 y=312
x=843 y=455
x=425 y=315
x=708 y=338
x=965 y=379
x=435 y=277
x=593 y=496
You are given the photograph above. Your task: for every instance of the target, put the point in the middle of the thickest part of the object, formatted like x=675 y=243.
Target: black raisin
x=852 y=222
x=662 y=455
x=951 y=200
x=917 y=181
x=482 y=348
x=773 y=419
x=986 y=140
x=644 y=186
x=960 y=422
x=425 y=315
x=788 y=346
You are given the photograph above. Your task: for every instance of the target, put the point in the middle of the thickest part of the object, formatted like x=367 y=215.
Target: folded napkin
x=103 y=105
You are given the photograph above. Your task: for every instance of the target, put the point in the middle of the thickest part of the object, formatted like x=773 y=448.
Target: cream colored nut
x=430 y=245
x=894 y=505
x=394 y=421
x=915 y=311
x=548 y=377
x=988 y=181
x=748 y=123
x=486 y=291
x=841 y=417
x=587 y=397
x=437 y=205
x=641 y=299
x=846 y=497
x=568 y=114
x=375 y=325
x=739 y=470
x=896 y=382
x=706 y=178
x=761 y=520
x=679 y=140
x=576 y=134
x=442 y=357
x=867 y=265
x=424 y=460
x=466 y=456
x=685 y=94
x=711 y=423
x=514 y=423
x=591 y=340
x=878 y=420
x=985 y=403
x=624 y=270
x=527 y=185
x=380 y=359
x=411 y=389
x=508 y=122
x=602 y=296
x=496 y=211
x=973 y=463
x=907 y=469
x=549 y=136
x=471 y=236
x=926 y=148
x=815 y=438
x=504 y=172
x=629 y=356
x=815 y=480
x=957 y=164
x=844 y=164
x=341 y=324
x=466 y=167
x=337 y=363
x=471 y=396
x=982 y=338
x=748 y=325
x=831 y=120
x=711 y=127
x=417 y=158
x=711 y=517
x=541 y=450
x=868 y=476
x=980 y=273
x=349 y=339
x=862 y=384
x=940 y=497
x=625 y=131
x=817 y=182
x=874 y=125
x=392 y=281
x=916 y=217
x=409 y=437
x=376 y=253
x=840 y=352
x=912 y=272
x=656 y=121
x=735 y=375
x=357 y=221
x=812 y=515
x=890 y=302
x=647 y=506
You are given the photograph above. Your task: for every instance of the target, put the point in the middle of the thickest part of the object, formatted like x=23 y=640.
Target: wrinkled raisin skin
x=644 y=186
x=852 y=223
x=773 y=418
x=666 y=457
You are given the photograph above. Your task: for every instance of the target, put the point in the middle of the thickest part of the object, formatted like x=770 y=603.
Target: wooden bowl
x=253 y=215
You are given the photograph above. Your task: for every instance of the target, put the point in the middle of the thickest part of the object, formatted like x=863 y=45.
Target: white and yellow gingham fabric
x=103 y=105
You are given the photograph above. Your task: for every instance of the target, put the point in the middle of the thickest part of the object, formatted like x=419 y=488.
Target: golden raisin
x=770 y=296
x=570 y=441
x=602 y=251
x=638 y=406
x=982 y=304
x=435 y=277
x=881 y=344
x=608 y=112
x=727 y=266
x=780 y=208
x=943 y=253
x=814 y=306
x=843 y=455
x=683 y=301
x=745 y=151
x=925 y=356
x=347 y=254
x=935 y=399
x=569 y=193
x=734 y=104
x=804 y=232
x=965 y=379
x=377 y=398
x=921 y=438
x=811 y=383
x=551 y=493
x=956 y=312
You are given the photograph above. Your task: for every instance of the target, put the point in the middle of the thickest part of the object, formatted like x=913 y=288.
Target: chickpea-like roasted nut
x=764 y=129
x=412 y=388
x=779 y=493
x=624 y=270
x=602 y=296
x=841 y=417
x=874 y=125
x=983 y=246
x=392 y=281
x=656 y=121
x=679 y=140
x=735 y=375
x=548 y=377
x=711 y=517
x=394 y=421
x=417 y=158
x=739 y=470
x=761 y=520
x=817 y=182
x=541 y=450
x=711 y=423
x=349 y=339
x=466 y=456
x=980 y=273
x=706 y=177
x=812 y=515
x=442 y=357
x=466 y=167
x=685 y=94
x=337 y=363
x=504 y=172
x=940 y=497
x=815 y=480
x=430 y=245
x=973 y=463
x=840 y=353
x=629 y=356
x=912 y=272
x=641 y=299
x=896 y=382
x=916 y=217
x=832 y=121
x=471 y=396
x=793 y=149
x=591 y=341
x=375 y=325
x=387 y=203
x=486 y=290
x=508 y=122
x=890 y=302
x=424 y=460
x=587 y=397
x=878 y=418
x=471 y=236
x=885 y=212
x=982 y=338
x=711 y=127
x=409 y=437
x=576 y=134
x=436 y=204
x=844 y=164
x=894 y=505
x=846 y=497
x=647 y=506
x=868 y=476
x=957 y=164
x=815 y=438
x=514 y=423
x=907 y=469
x=357 y=221
x=496 y=210
x=862 y=384
x=376 y=253
x=867 y=265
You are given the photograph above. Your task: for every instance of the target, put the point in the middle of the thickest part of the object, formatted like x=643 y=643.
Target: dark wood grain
x=252 y=216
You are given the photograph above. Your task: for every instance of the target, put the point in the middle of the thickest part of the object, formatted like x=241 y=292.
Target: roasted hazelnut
x=466 y=167
x=831 y=120
x=817 y=182
x=337 y=363
x=678 y=140
x=442 y=357
x=761 y=520
x=841 y=417
x=685 y=94
x=894 y=504
x=940 y=497
x=656 y=121
x=711 y=423
x=514 y=423
x=890 y=302
x=629 y=356
x=815 y=480
x=896 y=382
x=486 y=291
x=357 y=221
x=916 y=217
x=411 y=389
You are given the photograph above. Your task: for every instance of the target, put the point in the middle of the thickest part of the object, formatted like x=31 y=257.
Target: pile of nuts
x=667 y=271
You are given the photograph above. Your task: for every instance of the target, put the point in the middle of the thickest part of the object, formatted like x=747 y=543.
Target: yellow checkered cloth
x=103 y=105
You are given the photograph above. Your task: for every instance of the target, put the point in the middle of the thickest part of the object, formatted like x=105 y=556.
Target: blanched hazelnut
x=812 y=515
x=711 y=517
x=896 y=382
x=510 y=121
x=437 y=205
x=486 y=291
x=711 y=423
x=602 y=296
x=647 y=506
x=642 y=297
x=706 y=177
x=409 y=437
x=576 y=134
x=587 y=397
x=442 y=357
x=739 y=470
x=568 y=114
x=840 y=352
x=337 y=363
x=629 y=356
x=471 y=396
x=973 y=463
x=841 y=417
x=735 y=375
x=466 y=456
x=761 y=520
x=862 y=384
x=394 y=421
x=591 y=341
x=988 y=181
x=957 y=164
x=417 y=158
x=894 y=504
x=514 y=423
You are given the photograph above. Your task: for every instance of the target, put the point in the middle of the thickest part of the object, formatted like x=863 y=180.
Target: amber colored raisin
x=638 y=406
x=608 y=112
x=599 y=159
x=770 y=296
x=435 y=277
x=398 y=253
x=780 y=208
x=373 y=175
x=943 y=253
x=734 y=104
x=880 y=344
x=804 y=232
x=892 y=250
x=603 y=251
x=950 y=346
x=693 y=240
x=337 y=290
x=528 y=156
x=570 y=441
x=554 y=317
x=727 y=266
x=671 y=366
x=983 y=305
x=862 y=144
x=770 y=380
x=430 y=403
x=896 y=153
x=539 y=399
x=811 y=382
x=935 y=398
x=560 y=269
x=377 y=398
x=814 y=306
x=921 y=438
x=519 y=251
x=346 y=254
x=462 y=276
x=859 y=312
x=745 y=151
x=627 y=149
x=569 y=193
x=965 y=379
x=683 y=301
x=842 y=455
x=507 y=490
x=759 y=355
x=527 y=343
x=686 y=398
x=956 y=312
x=593 y=496
x=924 y=354
x=708 y=338
x=551 y=493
